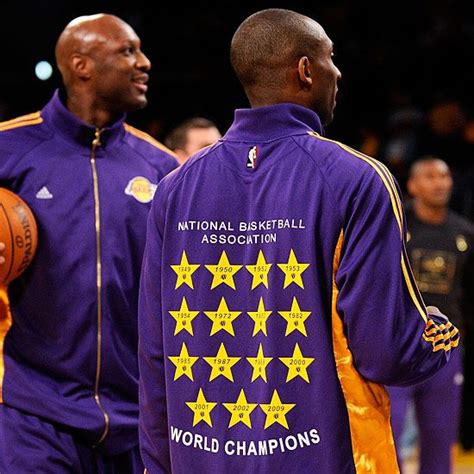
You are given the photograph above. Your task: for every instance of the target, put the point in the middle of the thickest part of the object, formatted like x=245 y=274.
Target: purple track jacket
x=70 y=344
x=276 y=299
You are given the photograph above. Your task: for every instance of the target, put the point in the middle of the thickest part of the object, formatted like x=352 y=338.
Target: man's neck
x=89 y=112
x=429 y=214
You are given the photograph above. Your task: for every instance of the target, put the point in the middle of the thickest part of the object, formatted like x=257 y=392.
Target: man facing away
x=276 y=295
x=69 y=385
x=440 y=247
x=190 y=136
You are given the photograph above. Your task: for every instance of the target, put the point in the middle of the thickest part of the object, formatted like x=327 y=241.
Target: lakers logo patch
x=141 y=189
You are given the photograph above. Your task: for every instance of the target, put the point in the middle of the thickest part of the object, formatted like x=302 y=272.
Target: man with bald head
x=68 y=369
x=275 y=295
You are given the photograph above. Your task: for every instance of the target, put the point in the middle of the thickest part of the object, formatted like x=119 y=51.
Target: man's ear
x=304 y=71
x=81 y=65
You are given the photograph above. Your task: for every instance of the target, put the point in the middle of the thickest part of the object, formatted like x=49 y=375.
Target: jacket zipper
x=95 y=144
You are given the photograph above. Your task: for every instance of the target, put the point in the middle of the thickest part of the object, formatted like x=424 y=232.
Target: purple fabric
x=51 y=350
x=437 y=407
x=269 y=193
x=29 y=444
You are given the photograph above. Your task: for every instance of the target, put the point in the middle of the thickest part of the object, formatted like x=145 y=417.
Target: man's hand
x=2 y=258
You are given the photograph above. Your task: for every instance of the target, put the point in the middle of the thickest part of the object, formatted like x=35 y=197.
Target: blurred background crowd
x=406 y=66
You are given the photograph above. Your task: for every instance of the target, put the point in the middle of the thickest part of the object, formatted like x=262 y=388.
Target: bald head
x=276 y=53
x=84 y=35
x=104 y=71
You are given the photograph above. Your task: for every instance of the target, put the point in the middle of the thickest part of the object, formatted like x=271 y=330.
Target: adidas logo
x=44 y=193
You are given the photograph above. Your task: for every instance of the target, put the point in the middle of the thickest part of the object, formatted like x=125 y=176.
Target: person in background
x=69 y=372
x=276 y=298
x=192 y=135
x=440 y=248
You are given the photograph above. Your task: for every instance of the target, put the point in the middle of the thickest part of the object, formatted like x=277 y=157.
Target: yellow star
x=276 y=411
x=240 y=410
x=260 y=318
x=184 y=271
x=293 y=270
x=221 y=364
x=223 y=272
x=184 y=318
x=259 y=271
x=295 y=318
x=202 y=409
x=259 y=364
x=297 y=364
x=222 y=319
x=184 y=363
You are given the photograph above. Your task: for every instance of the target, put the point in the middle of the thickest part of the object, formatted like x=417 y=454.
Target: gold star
x=223 y=272
x=184 y=363
x=184 y=271
x=276 y=411
x=297 y=364
x=240 y=410
x=222 y=319
x=202 y=409
x=295 y=318
x=259 y=271
x=293 y=270
x=259 y=364
x=221 y=364
x=184 y=318
x=260 y=318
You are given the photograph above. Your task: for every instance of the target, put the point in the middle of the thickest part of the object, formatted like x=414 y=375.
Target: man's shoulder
x=21 y=134
x=342 y=161
x=461 y=223
x=146 y=145
x=18 y=128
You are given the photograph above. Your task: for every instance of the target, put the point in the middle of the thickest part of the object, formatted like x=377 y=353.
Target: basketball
x=19 y=233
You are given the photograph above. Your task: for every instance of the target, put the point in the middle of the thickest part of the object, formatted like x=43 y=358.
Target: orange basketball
x=19 y=233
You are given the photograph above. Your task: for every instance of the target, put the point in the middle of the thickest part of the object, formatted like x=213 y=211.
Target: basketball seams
x=12 y=254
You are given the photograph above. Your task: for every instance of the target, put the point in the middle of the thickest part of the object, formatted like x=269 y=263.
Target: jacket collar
x=271 y=122
x=71 y=127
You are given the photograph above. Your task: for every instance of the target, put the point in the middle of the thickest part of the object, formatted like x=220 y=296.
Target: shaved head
x=280 y=55
x=84 y=35
x=424 y=162
x=430 y=183
x=268 y=41
x=104 y=70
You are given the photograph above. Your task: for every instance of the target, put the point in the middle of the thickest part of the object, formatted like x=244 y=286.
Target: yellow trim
x=421 y=309
x=22 y=118
x=23 y=123
x=368 y=404
x=148 y=138
x=5 y=325
x=95 y=181
x=381 y=170
x=373 y=164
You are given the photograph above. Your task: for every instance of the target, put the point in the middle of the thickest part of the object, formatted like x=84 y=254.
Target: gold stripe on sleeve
x=368 y=404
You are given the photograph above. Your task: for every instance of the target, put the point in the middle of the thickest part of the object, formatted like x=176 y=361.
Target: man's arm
x=394 y=339
x=153 y=422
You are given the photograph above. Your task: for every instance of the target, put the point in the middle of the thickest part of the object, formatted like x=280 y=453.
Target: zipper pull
x=96 y=142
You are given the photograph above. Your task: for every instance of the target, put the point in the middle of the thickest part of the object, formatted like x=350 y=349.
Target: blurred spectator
x=192 y=135
x=440 y=246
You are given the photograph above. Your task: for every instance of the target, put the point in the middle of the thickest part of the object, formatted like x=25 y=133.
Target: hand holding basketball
x=18 y=236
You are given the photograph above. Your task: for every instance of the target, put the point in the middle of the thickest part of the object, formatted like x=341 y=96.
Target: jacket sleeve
x=393 y=338
x=153 y=422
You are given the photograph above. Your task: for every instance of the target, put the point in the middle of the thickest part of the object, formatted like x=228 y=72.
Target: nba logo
x=252 y=158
